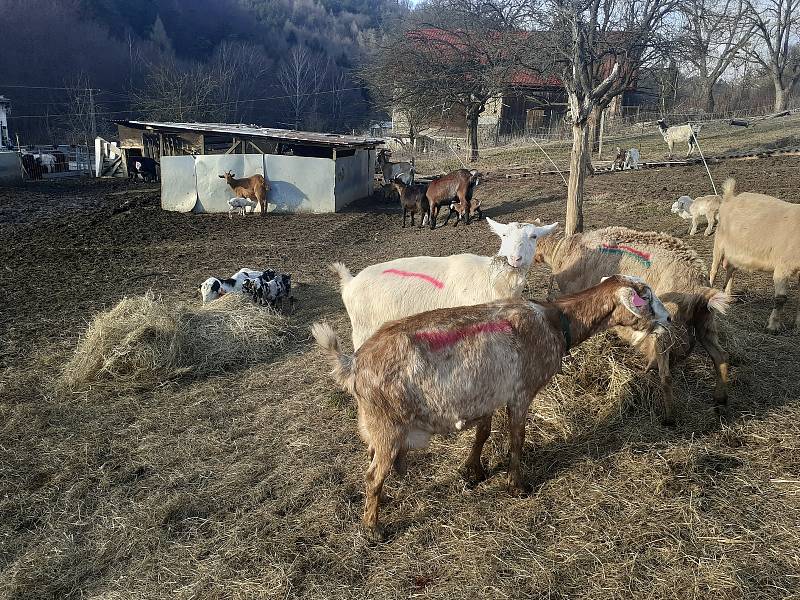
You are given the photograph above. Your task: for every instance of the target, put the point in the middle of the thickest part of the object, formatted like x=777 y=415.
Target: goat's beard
x=500 y=263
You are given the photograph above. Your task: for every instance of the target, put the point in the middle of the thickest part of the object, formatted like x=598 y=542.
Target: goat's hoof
x=374 y=534
x=668 y=421
x=473 y=474
x=774 y=330
x=721 y=410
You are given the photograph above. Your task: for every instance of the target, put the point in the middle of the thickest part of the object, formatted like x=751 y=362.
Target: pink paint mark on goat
x=432 y=280
x=438 y=340
x=637 y=300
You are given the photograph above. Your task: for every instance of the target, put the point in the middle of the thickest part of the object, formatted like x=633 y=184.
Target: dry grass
x=143 y=340
x=715 y=138
x=245 y=481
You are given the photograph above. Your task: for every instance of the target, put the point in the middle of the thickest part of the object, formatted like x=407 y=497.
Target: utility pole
x=92 y=120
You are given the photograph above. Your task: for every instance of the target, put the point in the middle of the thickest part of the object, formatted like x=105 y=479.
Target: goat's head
x=399 y=181
x=682 y=204
x=518 y=240
x=662 y=125
x=227 y=176
x=210 y=289
x=635 y=304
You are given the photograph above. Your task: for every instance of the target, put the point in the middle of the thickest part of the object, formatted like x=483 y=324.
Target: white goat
x=757 y=232
x=407 y=286
x=680 y=134
x=241 y=205
x=703 y=206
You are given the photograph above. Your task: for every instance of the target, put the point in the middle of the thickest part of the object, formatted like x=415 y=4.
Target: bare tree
x=301 y=77
x=715 y=35
x=776 y=24
x=449 y=54
x=599 y=48
x=80 y=127
x=240 y=70
x=179 y=92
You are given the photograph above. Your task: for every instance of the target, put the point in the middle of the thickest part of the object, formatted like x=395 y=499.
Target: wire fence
x=44 y=161
x=632 y=122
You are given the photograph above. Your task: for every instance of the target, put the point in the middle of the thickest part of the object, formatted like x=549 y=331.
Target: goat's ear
x=499 y=228
x=636 y=304
x=536 y=232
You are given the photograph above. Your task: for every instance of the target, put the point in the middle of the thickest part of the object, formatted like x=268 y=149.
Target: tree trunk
x=472 y=139
x=577 y=175
x=594 y=129
x=781 y=96
x=709 y=102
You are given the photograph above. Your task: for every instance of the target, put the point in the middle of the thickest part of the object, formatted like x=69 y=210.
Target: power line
x=203 y=105
x=45 y=87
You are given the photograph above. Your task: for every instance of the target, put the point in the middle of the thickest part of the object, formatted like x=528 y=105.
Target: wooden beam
x=233 y=147
x=257 y=147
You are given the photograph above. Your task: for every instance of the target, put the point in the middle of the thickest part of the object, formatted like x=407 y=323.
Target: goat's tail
x=342 y=363
x=345 y=276
x=729 y=188
x=716 y=300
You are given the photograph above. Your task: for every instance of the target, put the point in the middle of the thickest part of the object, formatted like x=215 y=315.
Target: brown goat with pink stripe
x=450 y=369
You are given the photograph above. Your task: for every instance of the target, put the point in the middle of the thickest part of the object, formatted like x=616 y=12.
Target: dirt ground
x=249 y=483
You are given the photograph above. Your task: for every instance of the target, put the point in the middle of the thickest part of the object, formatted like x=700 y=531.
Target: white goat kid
x=632 y=159
x=240 y=205
x=407 y=286
x=213 y=287
x=703 y=206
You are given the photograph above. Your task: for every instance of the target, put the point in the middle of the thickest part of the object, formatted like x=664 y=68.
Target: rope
x=456 y=155
x=552 y=163
x=703 y=158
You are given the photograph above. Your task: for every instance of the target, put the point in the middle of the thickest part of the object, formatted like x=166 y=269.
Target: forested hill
x=197 y=27
x=186 y=59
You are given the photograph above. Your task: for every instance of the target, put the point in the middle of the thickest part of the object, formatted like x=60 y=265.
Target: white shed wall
x=10 y=167
x=178 y=183
x=354 y=177
x=298 y=183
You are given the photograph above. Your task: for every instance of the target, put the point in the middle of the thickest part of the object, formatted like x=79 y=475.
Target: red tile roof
x=450 y=40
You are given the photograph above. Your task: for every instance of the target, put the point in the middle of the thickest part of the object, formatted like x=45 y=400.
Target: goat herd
x=441 y=343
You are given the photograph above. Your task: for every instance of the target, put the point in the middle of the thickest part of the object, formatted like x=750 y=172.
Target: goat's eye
x=534 y=236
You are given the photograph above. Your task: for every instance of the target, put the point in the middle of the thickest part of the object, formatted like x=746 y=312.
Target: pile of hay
x=144 y=340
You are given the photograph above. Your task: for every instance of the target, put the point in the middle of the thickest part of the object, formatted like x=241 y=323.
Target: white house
x=5 y=108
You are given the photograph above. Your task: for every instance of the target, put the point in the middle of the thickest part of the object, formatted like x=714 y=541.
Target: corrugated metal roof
x=308 y=137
